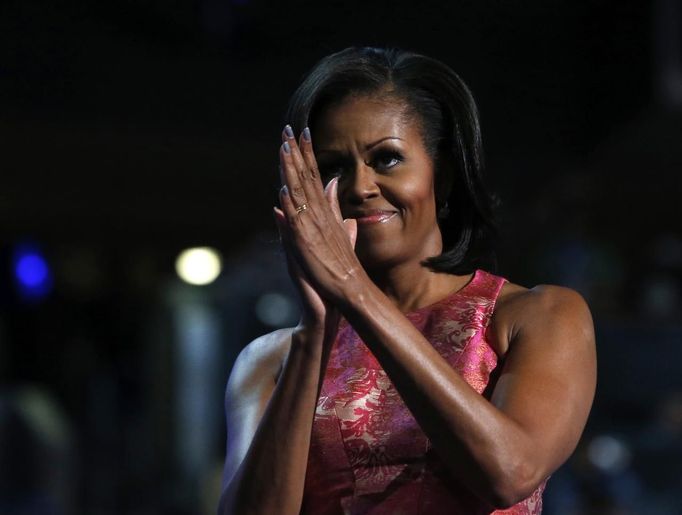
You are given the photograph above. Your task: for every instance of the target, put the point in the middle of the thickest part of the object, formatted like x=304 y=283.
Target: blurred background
x=132 y=130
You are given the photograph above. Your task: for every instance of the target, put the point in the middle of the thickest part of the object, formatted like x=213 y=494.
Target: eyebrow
x=375 y=143
x=369 y=146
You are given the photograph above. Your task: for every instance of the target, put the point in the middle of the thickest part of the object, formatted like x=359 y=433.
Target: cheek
x=419 y=194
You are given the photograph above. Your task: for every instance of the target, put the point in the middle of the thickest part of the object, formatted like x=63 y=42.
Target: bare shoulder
x=548 y=376
x=542 y=308
x=259 y=363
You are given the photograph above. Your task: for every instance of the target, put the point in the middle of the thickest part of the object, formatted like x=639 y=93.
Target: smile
x=375 y=217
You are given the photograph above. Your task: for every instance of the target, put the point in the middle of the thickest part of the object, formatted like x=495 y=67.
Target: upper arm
x=248 y=391
x=548 y=378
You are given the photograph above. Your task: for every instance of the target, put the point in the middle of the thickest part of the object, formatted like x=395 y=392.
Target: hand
x=318 y=313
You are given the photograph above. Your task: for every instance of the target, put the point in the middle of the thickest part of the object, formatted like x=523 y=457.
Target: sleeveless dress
x=368 y=454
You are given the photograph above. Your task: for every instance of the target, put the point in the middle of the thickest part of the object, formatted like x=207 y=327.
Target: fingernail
x=285 y=190
x=306 y=134
x=286 y=147
x=288 y=131
x=330 y=184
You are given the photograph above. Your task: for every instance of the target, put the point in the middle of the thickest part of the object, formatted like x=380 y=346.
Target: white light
x=608 y=453
x=275 y=310
x=198 y=265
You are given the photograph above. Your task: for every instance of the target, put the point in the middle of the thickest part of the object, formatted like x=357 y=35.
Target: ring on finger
x=301 y=208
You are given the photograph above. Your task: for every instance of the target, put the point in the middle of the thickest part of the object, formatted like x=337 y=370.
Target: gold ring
x=301 y=208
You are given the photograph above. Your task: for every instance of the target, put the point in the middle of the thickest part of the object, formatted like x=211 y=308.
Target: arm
x=269 y=424
x=270 y=416
x=503 y=448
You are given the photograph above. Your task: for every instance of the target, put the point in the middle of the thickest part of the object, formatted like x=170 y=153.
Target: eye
x=331 y=169
x=329 y=172
x=386 y=159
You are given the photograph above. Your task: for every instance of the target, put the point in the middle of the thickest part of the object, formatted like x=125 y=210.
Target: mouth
x=374 y=217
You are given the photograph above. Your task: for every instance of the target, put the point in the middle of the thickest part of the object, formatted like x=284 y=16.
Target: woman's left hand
x=322 y=240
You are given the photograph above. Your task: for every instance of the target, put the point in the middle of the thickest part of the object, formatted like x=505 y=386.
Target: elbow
x=514 y=485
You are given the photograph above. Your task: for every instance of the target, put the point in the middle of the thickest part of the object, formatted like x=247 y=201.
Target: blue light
x=32 y=273
x=31 y=270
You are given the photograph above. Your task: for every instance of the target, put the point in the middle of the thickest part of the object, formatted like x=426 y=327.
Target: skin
x=501 y=449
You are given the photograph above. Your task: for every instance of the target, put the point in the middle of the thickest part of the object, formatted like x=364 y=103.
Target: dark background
x=132 y=129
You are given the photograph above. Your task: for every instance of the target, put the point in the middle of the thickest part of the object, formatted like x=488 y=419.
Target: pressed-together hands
x=318 y=242
x=500 y=448
x=275 y=383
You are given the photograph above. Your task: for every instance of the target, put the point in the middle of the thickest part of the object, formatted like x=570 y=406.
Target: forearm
x=482 y=446
x=271 y=477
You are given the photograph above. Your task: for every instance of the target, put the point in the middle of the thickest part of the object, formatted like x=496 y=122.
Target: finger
x=291 y=183
x=285 y=239
x=307 y=294
x=289 y=206
x=281 y=223
x=307 y=177
x=351 y=226
x=305 y=144
x=280 y=217
x=331 y=192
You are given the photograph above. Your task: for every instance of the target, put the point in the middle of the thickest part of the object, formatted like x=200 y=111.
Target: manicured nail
x=286 y=147
x=306 y=134
x=330 y=184
x=289 y=131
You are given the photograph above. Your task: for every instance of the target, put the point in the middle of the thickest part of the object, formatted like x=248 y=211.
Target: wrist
x=357 y=290
x=308 y=331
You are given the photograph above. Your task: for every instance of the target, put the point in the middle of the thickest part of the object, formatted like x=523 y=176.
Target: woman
x=415 y=382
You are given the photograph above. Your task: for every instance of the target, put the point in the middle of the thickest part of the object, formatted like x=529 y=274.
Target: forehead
x=366 y=118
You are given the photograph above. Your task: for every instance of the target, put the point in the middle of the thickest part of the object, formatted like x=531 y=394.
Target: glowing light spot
x=31 y=270
x=275 y=310
x=198 y=265
x=608 y=453
x=31 y=273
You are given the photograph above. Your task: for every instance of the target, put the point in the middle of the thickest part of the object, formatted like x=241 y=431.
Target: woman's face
x=386 y=178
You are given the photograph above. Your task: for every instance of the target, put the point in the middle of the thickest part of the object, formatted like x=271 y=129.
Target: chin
x=373 y=255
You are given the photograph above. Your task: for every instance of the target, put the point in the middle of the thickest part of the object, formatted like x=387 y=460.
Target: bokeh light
x=198 y=265
x=31 y=272
x=275 y=309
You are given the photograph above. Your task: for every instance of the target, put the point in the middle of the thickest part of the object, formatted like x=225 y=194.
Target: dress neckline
x=461 y=291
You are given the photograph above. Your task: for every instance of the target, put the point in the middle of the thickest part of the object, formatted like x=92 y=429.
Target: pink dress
x=368 y=455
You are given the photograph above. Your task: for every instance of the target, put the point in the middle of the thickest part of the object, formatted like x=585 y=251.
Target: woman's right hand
x=314 y=310
x=318 y=316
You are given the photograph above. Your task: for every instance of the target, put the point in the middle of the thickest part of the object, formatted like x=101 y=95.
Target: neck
x=411 y=285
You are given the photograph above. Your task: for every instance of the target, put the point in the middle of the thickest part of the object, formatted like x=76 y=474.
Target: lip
x=375 y=216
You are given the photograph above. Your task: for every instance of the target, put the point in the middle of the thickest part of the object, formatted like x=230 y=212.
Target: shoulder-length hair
x=450 y=129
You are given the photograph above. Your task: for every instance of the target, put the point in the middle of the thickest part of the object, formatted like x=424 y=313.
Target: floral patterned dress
x=368 y=454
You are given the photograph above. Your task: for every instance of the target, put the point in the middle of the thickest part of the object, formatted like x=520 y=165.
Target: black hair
x=450 y=130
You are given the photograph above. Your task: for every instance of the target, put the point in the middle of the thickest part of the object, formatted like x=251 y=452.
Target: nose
x=362 y=184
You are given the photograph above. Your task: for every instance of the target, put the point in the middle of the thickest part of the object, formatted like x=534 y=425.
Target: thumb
x=280 y=221
x=331 y=192
x=285 y=239
x=351 y=226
